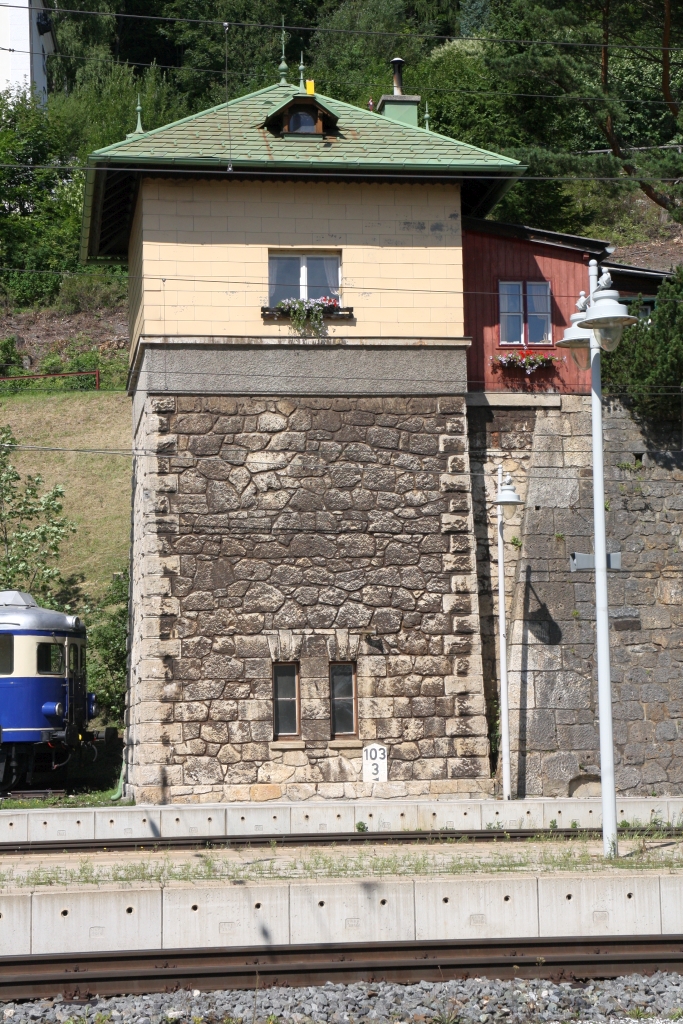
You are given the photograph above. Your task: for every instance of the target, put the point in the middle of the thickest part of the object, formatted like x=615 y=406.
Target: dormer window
x=302 y=117
x=302 y=120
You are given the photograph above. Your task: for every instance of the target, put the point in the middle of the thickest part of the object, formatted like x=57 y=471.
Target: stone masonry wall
x=551 y=627
x=310 y=530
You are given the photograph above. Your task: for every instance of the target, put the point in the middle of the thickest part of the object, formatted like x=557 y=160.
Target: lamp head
x=578 y=340
x=508 y=499
x=608 y=317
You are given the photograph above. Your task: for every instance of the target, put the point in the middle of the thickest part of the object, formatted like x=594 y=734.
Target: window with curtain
x=343 y=693
x=525 y=313
x=303 y=277
x=285 y=701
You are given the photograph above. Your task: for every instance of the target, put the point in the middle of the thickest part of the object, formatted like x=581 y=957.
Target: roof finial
x=302 y=68
x=283 y=69
x=139 y=130
x=426 y=116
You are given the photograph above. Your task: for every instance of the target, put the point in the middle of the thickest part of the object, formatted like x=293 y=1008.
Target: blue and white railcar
x=44 y=703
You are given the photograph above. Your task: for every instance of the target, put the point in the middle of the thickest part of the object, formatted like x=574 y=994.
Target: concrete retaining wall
x=190 y=915
x=278 y=818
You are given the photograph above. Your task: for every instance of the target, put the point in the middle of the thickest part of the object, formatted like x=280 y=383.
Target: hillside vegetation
x=97 y=487
x=587 y=95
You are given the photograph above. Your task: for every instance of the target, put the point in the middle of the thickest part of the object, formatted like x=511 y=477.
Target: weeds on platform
x=260 y=866
x=63 y=802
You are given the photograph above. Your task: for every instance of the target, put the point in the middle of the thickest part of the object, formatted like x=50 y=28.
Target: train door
x=77 y=698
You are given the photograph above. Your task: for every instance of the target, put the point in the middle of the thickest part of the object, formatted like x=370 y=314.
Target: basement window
x=303 y=277
x=286 y=717
x=525 y=313
x=344 y=703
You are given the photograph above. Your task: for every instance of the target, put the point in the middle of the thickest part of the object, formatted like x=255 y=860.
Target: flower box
x=525 y=359
x=329 y=313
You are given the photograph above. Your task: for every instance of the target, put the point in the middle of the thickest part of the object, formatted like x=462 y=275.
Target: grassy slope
x=98 y=487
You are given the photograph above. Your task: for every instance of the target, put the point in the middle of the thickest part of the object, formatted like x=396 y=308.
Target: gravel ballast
x=473 y=1001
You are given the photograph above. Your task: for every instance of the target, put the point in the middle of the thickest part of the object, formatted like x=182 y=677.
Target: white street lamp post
x=506 y=502
x=600 y=326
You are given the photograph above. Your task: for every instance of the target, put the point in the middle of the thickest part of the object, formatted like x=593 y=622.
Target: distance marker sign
x=374 y=763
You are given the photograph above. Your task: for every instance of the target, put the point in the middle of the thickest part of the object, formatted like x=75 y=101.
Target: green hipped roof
x=364 y=145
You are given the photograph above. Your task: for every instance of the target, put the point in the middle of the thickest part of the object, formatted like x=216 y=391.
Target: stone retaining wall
x=551 y=629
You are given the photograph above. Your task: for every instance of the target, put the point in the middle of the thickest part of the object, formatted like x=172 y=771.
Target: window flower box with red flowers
x=526 y=360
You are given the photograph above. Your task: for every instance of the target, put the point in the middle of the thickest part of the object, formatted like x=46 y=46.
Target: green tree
x=647 y=368
x=108 y=650
x=100 y=107
x=509 y=87
x=355 y=67
x=32 y=529
x=40 y=207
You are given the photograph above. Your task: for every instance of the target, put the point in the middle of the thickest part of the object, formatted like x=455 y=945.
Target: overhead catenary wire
x=263 y=283
x=674 y=391
x=369 y=32
x=216 y=165
x=593 y=97
x=267 y=467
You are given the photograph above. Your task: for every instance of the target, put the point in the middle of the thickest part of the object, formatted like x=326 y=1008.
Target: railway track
x=319 y=839
x=82 y=976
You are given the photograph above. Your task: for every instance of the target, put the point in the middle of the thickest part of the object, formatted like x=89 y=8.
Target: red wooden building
x=521 y=285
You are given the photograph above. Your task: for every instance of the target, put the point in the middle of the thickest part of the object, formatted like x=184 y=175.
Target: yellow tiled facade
x=202 y=251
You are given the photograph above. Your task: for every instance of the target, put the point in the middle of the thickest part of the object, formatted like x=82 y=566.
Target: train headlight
x=53 y=709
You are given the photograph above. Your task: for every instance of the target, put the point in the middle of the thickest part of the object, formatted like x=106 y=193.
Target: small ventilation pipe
x=397 y=64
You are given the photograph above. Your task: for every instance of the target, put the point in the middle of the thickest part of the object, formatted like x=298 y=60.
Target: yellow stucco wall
x=205 y=249
x=135 y=306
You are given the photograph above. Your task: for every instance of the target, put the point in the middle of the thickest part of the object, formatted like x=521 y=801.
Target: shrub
x=32 y=528
x=83 y=292
x=11 y=363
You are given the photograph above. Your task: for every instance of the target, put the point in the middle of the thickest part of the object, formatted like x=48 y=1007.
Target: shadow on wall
x=537 y=620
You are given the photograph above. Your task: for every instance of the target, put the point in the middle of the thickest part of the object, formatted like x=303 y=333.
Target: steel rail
x=80 y=976
x=323 y=839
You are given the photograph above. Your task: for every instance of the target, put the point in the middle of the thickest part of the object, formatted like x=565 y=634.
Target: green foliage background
x=647 y=368
x=545 y=104
x=108 y=650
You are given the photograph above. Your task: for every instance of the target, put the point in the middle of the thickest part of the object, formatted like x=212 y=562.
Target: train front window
x=6 y=654
x=51 y=659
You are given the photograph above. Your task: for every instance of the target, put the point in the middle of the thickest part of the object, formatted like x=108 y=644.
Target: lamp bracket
x=579 y=562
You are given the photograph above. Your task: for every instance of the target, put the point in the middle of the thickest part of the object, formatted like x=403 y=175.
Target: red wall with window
x=489 y=260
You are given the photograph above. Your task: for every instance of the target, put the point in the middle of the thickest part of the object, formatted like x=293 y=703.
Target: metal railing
x=73 y=373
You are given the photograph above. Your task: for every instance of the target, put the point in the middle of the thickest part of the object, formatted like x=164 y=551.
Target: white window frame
x=303 y=268
x=524 y=343
x=501 y=314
